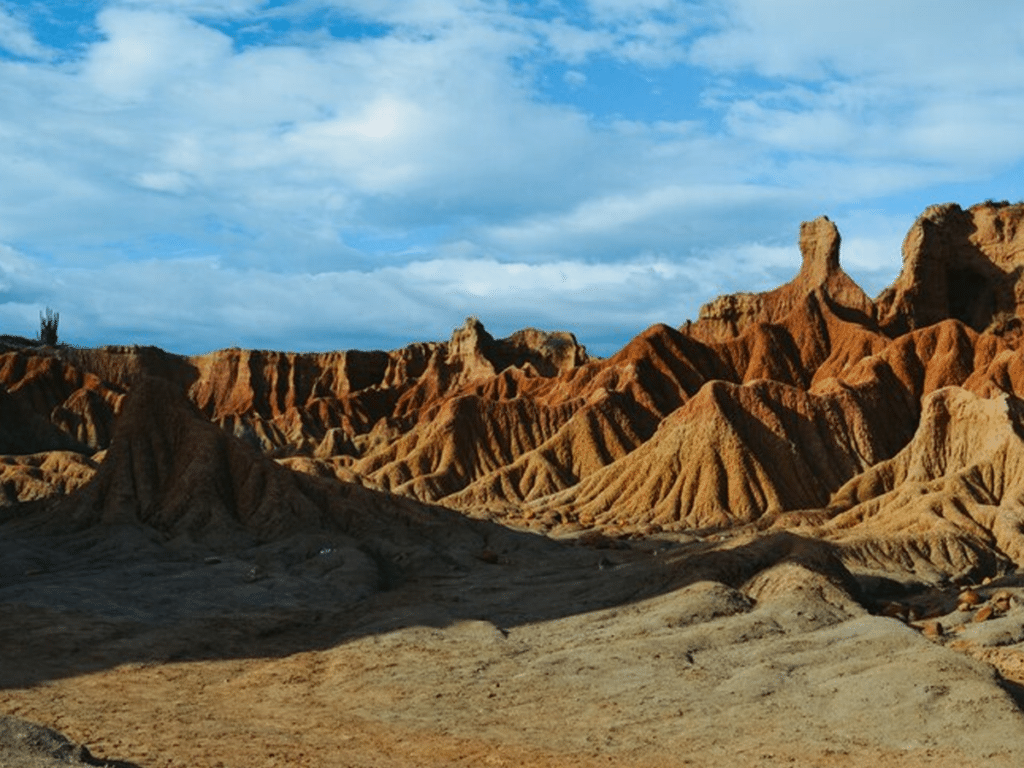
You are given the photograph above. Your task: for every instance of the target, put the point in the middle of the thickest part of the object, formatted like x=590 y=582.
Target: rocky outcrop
x=474 y=361
x=966 y=265
x=735 y=453
x=171 y=469
x=888 y=427
x=39 y=476
x=607 y=427
x=49 y=404
x=950 y=501
x=820 y=274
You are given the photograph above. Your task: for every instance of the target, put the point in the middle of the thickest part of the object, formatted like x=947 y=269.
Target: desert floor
x=530 y=653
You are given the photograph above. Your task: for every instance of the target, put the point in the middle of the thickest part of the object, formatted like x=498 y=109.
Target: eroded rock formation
x=890 y=427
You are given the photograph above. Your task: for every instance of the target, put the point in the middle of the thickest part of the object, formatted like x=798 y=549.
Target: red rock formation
x=38 y=476
x=958 y=264
x=950 y=500
x=171 y=469
x=605 y=429
x=734 y=453
x=807 y=399
x=820 y=273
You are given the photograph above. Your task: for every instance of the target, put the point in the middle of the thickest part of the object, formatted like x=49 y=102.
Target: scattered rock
x=1003 y=601
x=968 y=599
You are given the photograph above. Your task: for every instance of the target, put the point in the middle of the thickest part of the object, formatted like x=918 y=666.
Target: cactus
x=48 y=327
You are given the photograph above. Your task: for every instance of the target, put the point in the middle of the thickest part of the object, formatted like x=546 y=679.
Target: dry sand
x=173 y=655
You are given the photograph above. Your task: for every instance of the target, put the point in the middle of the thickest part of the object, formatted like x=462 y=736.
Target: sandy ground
x=530 y=654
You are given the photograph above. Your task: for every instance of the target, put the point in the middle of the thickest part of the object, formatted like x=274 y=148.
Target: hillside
x=405 y=539
x=766 y=404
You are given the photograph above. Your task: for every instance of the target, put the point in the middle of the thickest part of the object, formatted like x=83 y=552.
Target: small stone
x=1002 y=600
x=932 y=629
x=969 y=597
x=984 y=614
x=487 y=556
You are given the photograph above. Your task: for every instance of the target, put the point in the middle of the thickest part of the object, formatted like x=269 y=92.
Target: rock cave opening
x=971 y=297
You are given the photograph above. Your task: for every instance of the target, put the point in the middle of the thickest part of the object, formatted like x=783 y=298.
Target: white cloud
x=310 y=164
x=418 y=13
x=164 y=181
x=619 y=10
x=922 y=81
x=16 y=37
x=673 y=218
x=803 y=39
x=574 y=78
x=146 y=51
x=648 y=32
x=573 y=43
x=192 y=305
x=203 y=8
x=266 y=136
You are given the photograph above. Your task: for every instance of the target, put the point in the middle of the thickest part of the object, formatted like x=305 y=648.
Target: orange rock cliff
x=889 y=427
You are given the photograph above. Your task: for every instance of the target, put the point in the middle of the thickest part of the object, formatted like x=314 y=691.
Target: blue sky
x=329 y=174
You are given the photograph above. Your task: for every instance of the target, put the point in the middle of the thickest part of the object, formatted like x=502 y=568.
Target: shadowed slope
x=952 y=500
x=169 y=468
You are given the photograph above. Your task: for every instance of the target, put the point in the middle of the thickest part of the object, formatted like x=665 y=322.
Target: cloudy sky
x=328 y=174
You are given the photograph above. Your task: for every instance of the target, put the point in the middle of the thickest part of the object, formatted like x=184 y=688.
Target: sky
x=337 y=174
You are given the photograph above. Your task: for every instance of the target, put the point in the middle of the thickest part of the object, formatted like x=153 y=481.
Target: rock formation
x=958 y=264
x=950 y=500
x=890 y=427
x=820 y=275
x=723 y=505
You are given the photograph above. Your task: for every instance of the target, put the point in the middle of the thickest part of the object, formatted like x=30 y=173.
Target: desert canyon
x=788 y=532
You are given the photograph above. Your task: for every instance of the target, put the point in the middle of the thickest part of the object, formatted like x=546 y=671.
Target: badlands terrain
x=790 y=532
